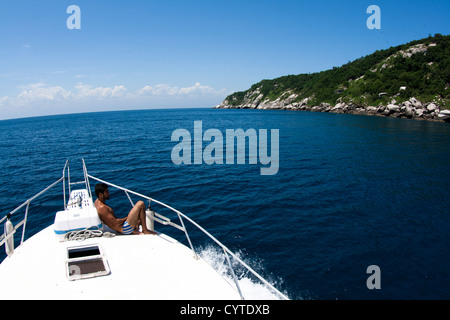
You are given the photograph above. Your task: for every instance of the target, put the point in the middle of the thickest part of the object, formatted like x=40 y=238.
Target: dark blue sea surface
x=351 y=191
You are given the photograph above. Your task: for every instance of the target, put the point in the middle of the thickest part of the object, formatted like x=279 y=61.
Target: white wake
x=251 y=287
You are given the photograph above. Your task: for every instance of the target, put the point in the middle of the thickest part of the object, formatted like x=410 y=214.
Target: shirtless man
x=127 y=225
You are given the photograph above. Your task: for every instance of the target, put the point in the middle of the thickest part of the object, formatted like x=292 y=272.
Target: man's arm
x=109 y=219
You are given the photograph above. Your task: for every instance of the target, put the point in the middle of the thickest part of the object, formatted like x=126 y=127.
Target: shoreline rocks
x=411 y=109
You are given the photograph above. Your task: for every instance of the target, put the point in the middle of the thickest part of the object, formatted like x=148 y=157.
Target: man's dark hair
x=100 y=188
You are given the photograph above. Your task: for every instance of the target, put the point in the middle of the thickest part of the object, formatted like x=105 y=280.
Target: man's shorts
x=126 y=228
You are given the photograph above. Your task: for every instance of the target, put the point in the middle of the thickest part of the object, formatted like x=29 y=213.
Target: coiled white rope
x=81 y=235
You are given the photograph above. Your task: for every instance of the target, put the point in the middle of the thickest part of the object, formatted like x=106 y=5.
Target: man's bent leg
x=137 y=216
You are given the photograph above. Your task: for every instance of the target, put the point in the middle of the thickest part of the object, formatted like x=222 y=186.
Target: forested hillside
x=418 y=70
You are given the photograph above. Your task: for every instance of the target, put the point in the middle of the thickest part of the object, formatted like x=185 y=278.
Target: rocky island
x=407 y=81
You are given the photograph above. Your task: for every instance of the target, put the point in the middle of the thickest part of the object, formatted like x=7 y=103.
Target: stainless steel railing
x=164 y=220
x=5 y=237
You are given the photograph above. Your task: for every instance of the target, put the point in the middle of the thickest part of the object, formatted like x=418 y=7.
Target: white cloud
x=38 y=92
x=159 y=90
x=3 y=101
x=197 y=88
x=86 y=91
x=166 y=90
x=40 y=98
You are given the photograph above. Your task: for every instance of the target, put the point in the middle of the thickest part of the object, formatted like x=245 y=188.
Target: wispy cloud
x=40 y=91
x=167 y=90
x=40 y=96
x=86 y=91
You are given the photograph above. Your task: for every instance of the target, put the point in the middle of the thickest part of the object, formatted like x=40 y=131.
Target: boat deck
x=141 y=267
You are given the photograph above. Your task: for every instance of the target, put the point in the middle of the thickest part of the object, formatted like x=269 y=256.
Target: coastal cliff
x=407 y=81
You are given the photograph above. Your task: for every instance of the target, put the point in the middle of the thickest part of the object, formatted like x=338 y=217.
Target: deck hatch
x=83 y=251
x=86 y=262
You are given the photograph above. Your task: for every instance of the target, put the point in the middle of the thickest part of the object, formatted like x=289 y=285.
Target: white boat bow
x=52 y=265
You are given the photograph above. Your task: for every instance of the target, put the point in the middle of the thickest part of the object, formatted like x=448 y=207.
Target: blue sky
x=160 y=54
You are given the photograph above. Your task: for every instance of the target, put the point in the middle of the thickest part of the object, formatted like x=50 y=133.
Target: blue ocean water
x=351 y=191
